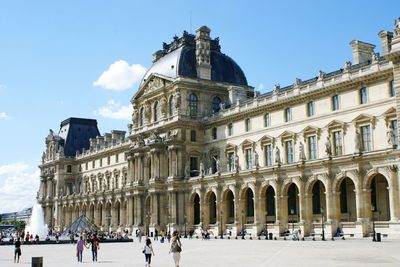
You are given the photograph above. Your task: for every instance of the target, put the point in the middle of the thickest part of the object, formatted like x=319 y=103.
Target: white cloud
x=114 y=110
x=261 y=87
x=4 y=115
x=19 y=183
x=120 y=76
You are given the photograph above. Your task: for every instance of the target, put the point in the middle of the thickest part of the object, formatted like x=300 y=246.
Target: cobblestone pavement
x=213 y=253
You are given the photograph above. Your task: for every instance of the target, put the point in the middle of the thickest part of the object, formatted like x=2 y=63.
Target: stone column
x=330 y=209
x=258 y=214
x=104 y=220
x=49 y=190
x=130 y=208
x=122 y=213
x=361 y=224
x=394 y=197
x=97 y=215
x=138 y=210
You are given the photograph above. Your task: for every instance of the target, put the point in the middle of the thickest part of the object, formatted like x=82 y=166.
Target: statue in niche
x=163 y=106
x=147 y=112
x=328 y=147
x=43 y=157
x=277 y=156
x=187 y=169
x=302 y=155
x=217 y=167
x=390 y=137
x=357 y=144
x=177 y=99
x=140 y=140
x=135 y=115
x=256 y=159
x=201 y=172
x=237 y=167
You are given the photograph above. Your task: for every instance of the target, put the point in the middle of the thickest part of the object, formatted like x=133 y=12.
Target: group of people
x=175 y=249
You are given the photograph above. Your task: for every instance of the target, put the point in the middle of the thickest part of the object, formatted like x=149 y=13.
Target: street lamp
x=373 y=224
x=292 y=213
x=323 y=226
x=185 y=236
x=266 y=225
x=220 y=221
x=242 y=224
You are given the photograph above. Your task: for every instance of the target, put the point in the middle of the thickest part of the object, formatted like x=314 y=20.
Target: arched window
x=171 y=106
x=216 y=104
x=141 y=116
x=156 y=111
x=193 y=105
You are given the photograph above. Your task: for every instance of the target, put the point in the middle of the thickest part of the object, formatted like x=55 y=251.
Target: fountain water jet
x=36 y=223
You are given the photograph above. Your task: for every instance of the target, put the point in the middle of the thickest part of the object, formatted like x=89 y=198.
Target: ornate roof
x=178 y=59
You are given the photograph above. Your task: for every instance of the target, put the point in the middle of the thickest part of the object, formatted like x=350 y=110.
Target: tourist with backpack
x=148 y=251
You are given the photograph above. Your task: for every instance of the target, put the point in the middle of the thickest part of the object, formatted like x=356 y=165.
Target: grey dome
x=178 y=59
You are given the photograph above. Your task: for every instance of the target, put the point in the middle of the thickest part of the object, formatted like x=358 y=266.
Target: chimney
x=203 y=53
x=386 y=41
x=362 y=52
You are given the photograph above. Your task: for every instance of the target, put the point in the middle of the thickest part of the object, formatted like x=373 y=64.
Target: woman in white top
x=148 y=250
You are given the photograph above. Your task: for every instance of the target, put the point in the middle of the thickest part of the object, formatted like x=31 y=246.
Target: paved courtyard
x=213 y=253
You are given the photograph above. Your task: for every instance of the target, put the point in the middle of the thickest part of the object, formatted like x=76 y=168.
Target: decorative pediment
x=247 y=144
x=389 y=115
x=286 y=135
x=336 y=124
x=364 y=118
x=311 y=130
x=152 y=83
x=266 y=139
x=230 y=147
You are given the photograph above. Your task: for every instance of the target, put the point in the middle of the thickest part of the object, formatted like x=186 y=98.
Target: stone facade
x=202 y=152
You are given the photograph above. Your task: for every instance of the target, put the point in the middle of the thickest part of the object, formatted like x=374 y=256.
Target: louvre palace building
x=205 y=150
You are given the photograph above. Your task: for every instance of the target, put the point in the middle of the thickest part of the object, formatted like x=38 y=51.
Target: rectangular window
x=288 y=114
x=194 y=170
x=335 y=102
x=312 y=147
x=247 y=125
x=69 y=168
x=289 y=151
x=108 y=160
x=214 y=133
x=193 y=136
x=101 y=162
x=86 y=166
x=249 y=159
x=93 y=164
x=363 y=95
x=310 y=109
x=116 y=158
x=337 y=143
x=268 y=155
x=395 y=131
x=366 y=138
x=231 y=161
x=267 y=121
x=230 y=129
x=392 y=91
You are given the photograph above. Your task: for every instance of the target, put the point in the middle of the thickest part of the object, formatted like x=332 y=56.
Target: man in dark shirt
x=17 y=251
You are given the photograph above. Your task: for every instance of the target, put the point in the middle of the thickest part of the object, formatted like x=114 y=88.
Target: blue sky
x=61 y=59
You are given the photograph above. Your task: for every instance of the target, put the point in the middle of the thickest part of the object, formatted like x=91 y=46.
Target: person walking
x=176 y=248
x=79 y=248
x=17 y=251
x=148 y=251
x=95 y=246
